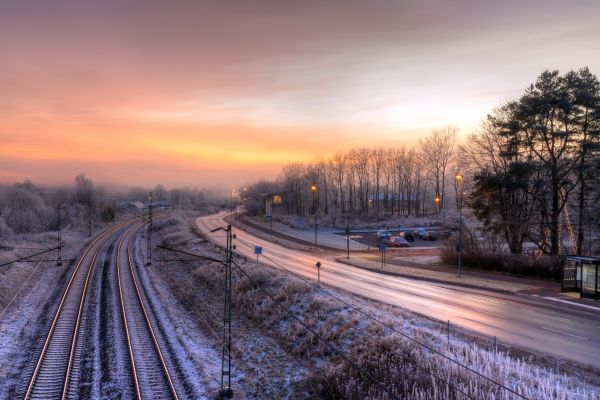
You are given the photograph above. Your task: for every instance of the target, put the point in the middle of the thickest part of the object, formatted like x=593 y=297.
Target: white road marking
x=564 y=333
x=564 y=319
x=488 y=299
x=573 y=303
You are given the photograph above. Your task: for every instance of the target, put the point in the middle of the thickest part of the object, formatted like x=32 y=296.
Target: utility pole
x=313 y=189
x=149 y=250
x=246 y=204
x=90 y=219
x=348 y=231
x=459 y=179
x=226 y=391
x=58 y=245
x=437 y=210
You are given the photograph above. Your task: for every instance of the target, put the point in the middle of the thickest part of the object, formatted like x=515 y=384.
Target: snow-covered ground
x=29 y=298
x=348 y=323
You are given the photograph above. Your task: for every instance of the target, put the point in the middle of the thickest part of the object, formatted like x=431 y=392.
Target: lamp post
x=313 y=189
x=437 y=210
x=246 y=204
x=348 y=230
x=459 y=181
x=233 y=204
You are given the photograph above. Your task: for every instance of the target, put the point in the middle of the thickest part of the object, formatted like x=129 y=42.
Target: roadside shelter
x=582 y=275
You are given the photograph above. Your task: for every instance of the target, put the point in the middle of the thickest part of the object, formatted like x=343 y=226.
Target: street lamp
x=348 y=229
x=459 y=181
x=313 y=189
x=246 y=203
x=437 y=209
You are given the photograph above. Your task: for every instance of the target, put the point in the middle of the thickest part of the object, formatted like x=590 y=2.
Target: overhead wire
x=331 y=347
x=319 y=288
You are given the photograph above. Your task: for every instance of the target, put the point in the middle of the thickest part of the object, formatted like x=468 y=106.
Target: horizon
x=206 y=95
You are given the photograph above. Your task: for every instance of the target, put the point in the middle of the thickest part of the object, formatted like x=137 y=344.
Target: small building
x=273 y=203
x=582 y=275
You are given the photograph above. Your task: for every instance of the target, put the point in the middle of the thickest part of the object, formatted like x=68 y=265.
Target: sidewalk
x=545 y=289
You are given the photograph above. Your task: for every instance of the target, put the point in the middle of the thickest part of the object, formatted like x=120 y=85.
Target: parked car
x=408 y=235
x=430 y=235
x=420 y=232
x=398 y=241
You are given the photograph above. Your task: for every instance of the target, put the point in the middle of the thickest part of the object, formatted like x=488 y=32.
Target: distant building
x=273 y=205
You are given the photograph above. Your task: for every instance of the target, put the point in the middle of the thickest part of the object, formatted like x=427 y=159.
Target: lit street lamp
x=246 y=203
x=459 y=181
x=232 y=205
x=437 y=210
x=313 y=189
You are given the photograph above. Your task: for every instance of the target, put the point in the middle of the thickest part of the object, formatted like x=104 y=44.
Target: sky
x=224 y=92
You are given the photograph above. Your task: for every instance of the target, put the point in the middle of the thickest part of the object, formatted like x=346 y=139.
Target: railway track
x=50 y=377
x=151 y=375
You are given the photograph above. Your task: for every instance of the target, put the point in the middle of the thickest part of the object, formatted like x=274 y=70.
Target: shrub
x=542 y=266
x=24 y=211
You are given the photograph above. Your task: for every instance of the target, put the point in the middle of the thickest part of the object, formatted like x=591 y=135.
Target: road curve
x=564 y=331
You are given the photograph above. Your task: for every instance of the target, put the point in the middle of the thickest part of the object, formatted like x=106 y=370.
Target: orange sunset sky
x=218 y=93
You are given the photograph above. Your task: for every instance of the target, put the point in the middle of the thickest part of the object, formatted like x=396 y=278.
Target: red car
x=398 y=241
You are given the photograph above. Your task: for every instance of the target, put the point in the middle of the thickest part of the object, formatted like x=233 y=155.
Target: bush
x=24 y=211
x=542 y=266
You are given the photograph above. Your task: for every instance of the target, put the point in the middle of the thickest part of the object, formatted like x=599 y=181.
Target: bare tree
x=436 y=153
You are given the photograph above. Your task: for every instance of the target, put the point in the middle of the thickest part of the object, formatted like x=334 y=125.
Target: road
x=561 y=330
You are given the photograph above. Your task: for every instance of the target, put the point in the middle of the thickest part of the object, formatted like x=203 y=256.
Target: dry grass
x=382 y=358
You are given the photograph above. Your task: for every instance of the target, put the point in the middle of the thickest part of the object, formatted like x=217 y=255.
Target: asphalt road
x=561 y=330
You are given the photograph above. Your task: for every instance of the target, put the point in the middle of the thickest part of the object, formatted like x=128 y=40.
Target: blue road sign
x=257 y=250
x=382 y=248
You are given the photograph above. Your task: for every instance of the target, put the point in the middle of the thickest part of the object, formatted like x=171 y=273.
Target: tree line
x=393 y=181
x=531 y=171
x=535 y=165
x=29 y=208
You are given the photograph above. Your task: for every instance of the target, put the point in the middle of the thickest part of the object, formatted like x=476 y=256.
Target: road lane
x=558 y=329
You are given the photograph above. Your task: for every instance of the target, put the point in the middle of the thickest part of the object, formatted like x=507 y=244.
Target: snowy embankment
x=334 y=345
x=28 y=298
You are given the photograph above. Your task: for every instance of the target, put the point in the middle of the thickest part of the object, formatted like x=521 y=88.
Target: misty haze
x=300 y=200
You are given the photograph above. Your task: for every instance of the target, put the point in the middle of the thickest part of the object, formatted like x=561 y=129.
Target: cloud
x=248 y=86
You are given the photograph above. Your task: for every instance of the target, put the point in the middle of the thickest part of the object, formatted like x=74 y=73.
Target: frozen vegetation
x=353 y=348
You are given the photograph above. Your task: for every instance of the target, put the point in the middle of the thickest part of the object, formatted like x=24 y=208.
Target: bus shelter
x=582 y=275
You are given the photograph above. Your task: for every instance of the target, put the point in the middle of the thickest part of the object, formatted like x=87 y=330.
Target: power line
x=207 y=324
x=22 y=287
x=28 y=257
x=317 y=336
x=391 y=327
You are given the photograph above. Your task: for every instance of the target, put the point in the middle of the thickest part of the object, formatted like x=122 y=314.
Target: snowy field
x=339 y=346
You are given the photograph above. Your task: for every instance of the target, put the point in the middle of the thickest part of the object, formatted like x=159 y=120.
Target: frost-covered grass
x=381 y=357
x=28 y=296
x=15 y=277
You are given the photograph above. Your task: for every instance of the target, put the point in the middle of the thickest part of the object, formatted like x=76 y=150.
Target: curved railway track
x=55 y=372
x=50 y=378
x=150 y=372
